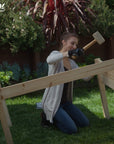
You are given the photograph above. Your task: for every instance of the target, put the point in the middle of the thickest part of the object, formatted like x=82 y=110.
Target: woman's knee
x=72 y=130
x=69 y=130
x=85 y=123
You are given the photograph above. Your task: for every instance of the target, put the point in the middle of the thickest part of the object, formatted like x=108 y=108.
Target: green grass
x=26 y=119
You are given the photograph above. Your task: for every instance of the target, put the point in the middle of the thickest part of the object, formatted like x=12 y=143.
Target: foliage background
x=22 y=31
x=18 y=30
x=104 y=21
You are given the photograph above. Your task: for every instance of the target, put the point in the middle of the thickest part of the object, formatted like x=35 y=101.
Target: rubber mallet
x=98 y=38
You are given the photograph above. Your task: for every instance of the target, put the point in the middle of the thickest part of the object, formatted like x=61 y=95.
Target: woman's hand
x=76 y=52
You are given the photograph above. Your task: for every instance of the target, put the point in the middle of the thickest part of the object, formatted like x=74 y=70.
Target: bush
x=104 y=18
x=5 y=78
x=89 y=59
x=26 y=73
x=102 y=22
x=12 y=74
x=110 y=3
x=23 y=32
x=18 y=30
x=42 y=69
x=15 y=69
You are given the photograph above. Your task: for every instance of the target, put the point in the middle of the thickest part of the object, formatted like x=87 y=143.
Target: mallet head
x=98 y=37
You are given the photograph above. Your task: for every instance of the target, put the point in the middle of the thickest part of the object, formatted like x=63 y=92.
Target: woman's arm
x=56 y=56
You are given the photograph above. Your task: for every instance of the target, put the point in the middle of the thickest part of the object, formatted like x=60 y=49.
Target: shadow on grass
x=26 y=128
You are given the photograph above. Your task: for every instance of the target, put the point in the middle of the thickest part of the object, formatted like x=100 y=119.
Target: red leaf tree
x=58 y=16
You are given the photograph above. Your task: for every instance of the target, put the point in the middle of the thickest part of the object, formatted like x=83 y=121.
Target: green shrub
x=14 y=68
x=104 y=18
x=102 y=22
x=42 y=69
x=12 y=74
x=5 y=78
x=110 y=3
x=89 y=59
x=26 y=73
x=19 y=30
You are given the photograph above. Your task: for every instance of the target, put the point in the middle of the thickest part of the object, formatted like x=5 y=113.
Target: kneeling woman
x=57 y=100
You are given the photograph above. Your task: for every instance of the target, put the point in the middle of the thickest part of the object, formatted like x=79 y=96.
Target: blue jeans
x=68 y=118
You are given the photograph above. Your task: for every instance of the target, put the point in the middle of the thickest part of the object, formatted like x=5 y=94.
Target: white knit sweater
x=52 y=95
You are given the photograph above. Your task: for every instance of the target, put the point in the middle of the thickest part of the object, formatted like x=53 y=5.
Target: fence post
x=102 y=93
x=5 y=120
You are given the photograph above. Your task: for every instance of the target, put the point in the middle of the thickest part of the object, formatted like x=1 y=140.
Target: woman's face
x=70 y=44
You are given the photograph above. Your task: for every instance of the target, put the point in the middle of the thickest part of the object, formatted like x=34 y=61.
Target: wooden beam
x=52 y=80
x=5 y=121
x=108 y=79
x=6 y=113
x=103 y=93
x=2 y=101
x=5 y=125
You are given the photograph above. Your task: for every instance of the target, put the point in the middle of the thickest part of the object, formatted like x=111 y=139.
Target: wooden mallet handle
x=89 y=45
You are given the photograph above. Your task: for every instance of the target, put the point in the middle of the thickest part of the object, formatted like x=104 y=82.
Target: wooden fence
x=99 y=68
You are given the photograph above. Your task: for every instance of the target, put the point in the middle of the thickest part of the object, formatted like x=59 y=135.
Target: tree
x=61 y=15
x=57 y=16
x=18 y=30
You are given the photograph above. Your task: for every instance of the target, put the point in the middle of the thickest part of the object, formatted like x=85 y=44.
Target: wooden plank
x=6 y=113
x=109 y=74
x=108 y=81
x=41 y=83
x=103 y=94
x=5 y=121
x=5 y=126
x=5 y=109
x=108 y=77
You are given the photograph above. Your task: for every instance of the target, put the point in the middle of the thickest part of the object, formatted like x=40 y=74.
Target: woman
x=57 y=100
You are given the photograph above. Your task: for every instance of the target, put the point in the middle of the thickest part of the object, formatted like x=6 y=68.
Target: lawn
x=26 y=119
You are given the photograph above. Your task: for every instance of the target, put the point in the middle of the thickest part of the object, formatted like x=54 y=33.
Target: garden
x=35 y=26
